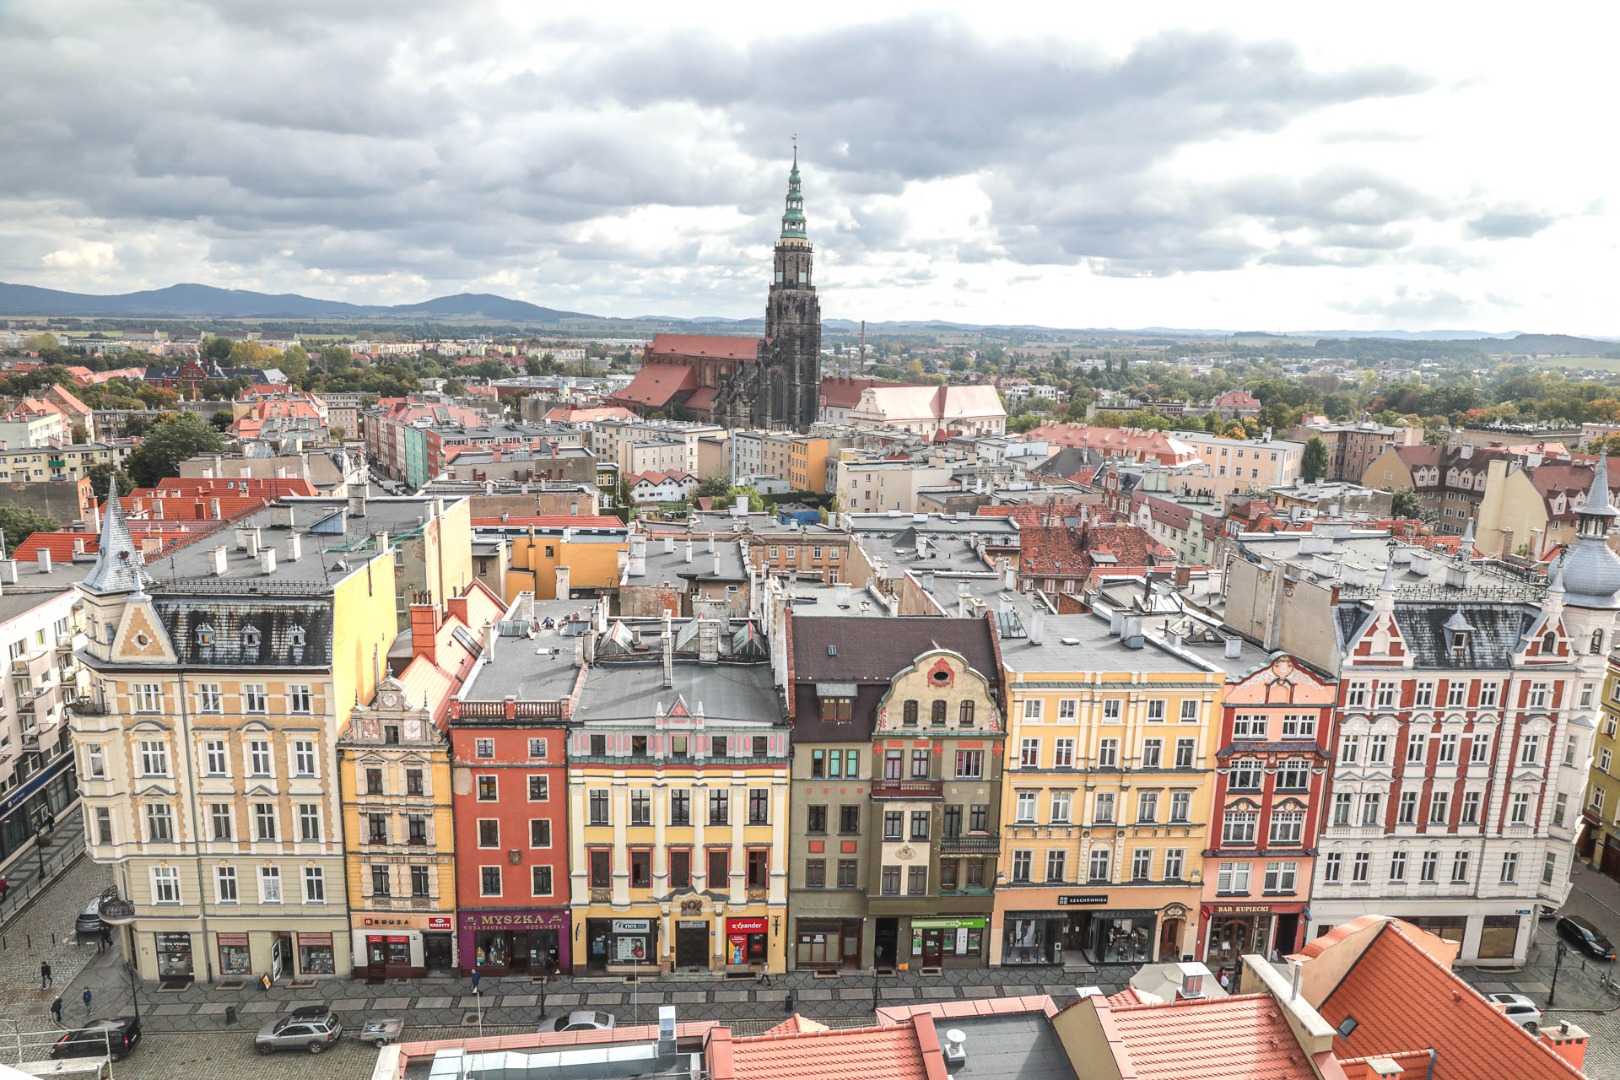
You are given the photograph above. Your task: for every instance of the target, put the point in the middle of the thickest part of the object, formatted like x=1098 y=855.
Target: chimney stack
x=669 y=651
x=688 y=549
x=636 y=566
x=218 y=559
x=267 y=559
x=295 y=547
x=44 y=560
x=1037 y=627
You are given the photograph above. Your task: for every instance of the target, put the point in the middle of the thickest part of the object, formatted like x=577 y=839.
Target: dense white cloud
x=1275 y=167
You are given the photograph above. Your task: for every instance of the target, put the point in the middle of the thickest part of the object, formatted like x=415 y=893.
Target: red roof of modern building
x=1243 y=1037
x=726 y=348
x=908 y=1051
x=564 y=415
x=655 y=384
x=656 y=478
x=1432 y=1008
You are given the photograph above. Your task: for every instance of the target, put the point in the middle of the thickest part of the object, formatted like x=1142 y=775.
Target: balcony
x=30 y=739
x=908 y=789
x=971 y=844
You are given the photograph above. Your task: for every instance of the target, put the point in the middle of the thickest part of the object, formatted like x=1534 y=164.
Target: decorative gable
x=1380 y=641
x=140 y=637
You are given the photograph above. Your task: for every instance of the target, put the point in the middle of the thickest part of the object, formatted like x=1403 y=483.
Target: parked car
x=88 y=924
x=1520 y=1009
x=579 y=1020
x=1585 y=937
x=112 y=1038
x=310 y=1027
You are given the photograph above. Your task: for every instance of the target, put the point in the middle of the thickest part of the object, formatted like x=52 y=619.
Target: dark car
x=88 y=924
x=113 y=1038
x=1585 y=937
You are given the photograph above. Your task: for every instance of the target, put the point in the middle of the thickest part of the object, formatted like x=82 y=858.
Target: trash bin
x=230 y=1014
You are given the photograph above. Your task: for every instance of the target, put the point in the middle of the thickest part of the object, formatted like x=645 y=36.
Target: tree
x=18 y=523
x=176 y=437
x=221 y=420
x=294 y=362
x=337 y=359
x=1407 y=503
x=713 y=487
x=1315 y=464
x=217 y=348
x=755 y=501
x=103 y=473
x=1017 y=425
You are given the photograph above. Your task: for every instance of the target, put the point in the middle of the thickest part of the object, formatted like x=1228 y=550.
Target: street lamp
x=1558 y=957
x=42 y=836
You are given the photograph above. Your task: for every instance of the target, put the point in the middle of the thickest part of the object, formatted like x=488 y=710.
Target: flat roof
x=34 y=588
x=633 y=691
x=537 y=668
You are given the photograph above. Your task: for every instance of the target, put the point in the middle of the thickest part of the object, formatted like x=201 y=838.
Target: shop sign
x=631 y=926
x=513 y=920
x=753 y=925
x=628 y=949
x=966 y=923
x=1071 y=899
x=440 y=922
x=692 y=924
x=1241 y=909
x=233 y=939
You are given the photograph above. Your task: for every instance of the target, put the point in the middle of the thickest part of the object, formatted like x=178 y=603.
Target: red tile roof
x=726 y=348
x=1236 y=1038
x=656 y=478
x=1059 y=551
x=1237 y=399
x=59 y=544
x=702 y=399
x=898 y=1052
x=1432 y=1008
x=1116 y=442
x=655 y=384
x=564 y=415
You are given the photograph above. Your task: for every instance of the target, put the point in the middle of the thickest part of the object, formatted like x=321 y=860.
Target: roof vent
x=832 y=650
x=955 y=1048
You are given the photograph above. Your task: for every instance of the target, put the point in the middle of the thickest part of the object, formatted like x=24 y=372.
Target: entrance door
x=1285 y=940
x=885 y=942
x=280 y=955
x=518 y=950
x=436 y=952
x=933 y=947
x=1169 y=940
x=1611 y=857
x=692 y=946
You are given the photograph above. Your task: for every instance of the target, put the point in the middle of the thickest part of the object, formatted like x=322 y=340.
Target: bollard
x=53 y=939
x=787 y=1005
x=230 y=1014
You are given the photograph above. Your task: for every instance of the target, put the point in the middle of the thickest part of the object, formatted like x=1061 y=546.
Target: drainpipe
x=1434 y=1055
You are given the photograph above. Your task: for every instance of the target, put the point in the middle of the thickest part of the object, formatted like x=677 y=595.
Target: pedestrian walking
x=87 y=1003
x=56 y=1009
x=5 y=887
x=44 y=974
x=1224 y=980
x=106 y=938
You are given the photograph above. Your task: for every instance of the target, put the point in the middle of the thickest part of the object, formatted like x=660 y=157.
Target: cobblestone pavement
x=44 y=932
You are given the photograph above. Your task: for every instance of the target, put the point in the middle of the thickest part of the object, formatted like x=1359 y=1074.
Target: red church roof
x=725 y=348
x=655 y=384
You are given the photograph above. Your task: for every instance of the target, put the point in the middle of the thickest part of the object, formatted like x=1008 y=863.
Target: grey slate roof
x=220 y=633
x=118 y=564
x=1495 y=637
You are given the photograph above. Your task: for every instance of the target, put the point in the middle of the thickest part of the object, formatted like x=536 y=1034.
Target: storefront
x=1231 y=931
x=235 y=955
x=530 y=941
x=748 y=943
x=1034 y=937
x=616 y=943
x=827 y=944
x=174 y=956
x=401 y=946
x=316 y=955
x=935 y=942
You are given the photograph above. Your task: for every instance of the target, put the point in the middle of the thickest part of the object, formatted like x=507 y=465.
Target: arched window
x=205 y=635
x=1597 y=642
x=250 y=643
x=1549 y=641
x=295 y=637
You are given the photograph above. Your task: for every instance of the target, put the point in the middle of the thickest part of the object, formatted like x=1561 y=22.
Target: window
x=303 y=758
x=908 y=713
x=1062 y=801
x=149 y=697
x=1448 y=749
x=1111 y=710
x=815 y=873
x=1063 y=754
x=225 y=884
x=919 y=824
x=1248 y=726
x=893 y=824
x=215 y=761
x=1417 y=748
x=1293 y=774
x=816 y=819
x=1108 y=754
x=970 y=764
x=640 y=868
x=1104 y=813
x=1152 y=752
x=1033 y=707
x=917 y=881
x=1519 y=809
x=1488 y=693
x=209 y=699
x=1245 y=775
x=936 y=713
x=1378 y=750
x=1332 y=866
x=1299 y=726
x=1429 y=868
x=1280 y=876
x=264 y=820
x=537 y=749
x=759 y=806
x=1360 y=868
x=1237 y=826
x=1021 y=862
x=1510 y=868
x=848 y=873
x=489 y=831
x=259 y=758
x=1372 y=808
x=598 y=803
x=219 y=818
x=1406 y=813
x=680 y=868
x=1459 y=868
x=680 y=807
x=1185 y=749
x=1174 y=860
x=382 y=882
x=1068 y=709
x=159 y=824
x=640 y=808
x=1349 y=749
x=720 y=807
x=309 y=822
x=1479 y=749
x=165 y=885
x=1287 y=827
x=1356 y=695
x=1098 y=868
x=1147 y=807
x=849 y=820
x=891 y=881
x=104 y=834
x=1180 y=807
x=1549 y=868
x=484 y=748
x=1456 y=694
x=920 y=763
x=1155 y=711
x=1530 y=750
x=374 y=782
x=1423 y=696
x=1141 y=864
x=1537 y=697
x=1439 y=807
x=298 y=699
x=1397 y=866
x=964 y=714
x=1029 y=754
x=489 y=879
x=488 y=790
x=254 y=699
x=154 y=758
x=1387 y=695
x=270 y=885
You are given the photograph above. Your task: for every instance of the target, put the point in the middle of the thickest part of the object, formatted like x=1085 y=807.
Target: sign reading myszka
x=514 y=920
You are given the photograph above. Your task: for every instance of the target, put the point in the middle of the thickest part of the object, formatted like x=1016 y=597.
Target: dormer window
x=205 y=635
x=1459 y=645
x=1597 y=642
x=250 y=643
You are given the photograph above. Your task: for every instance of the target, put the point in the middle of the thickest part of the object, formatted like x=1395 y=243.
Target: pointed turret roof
x=793 y=215
x=1590 y=570
x=118 y=561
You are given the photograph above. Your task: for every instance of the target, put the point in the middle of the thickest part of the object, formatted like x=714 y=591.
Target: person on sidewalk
x=5 y=887
x=87 y=1003
x=44 y=974
x=106 y=938
x=56 y=1009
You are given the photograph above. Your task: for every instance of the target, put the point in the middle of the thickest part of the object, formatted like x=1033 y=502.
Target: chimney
x=669 y=543
x=716 y=564
x=955 y=1049
x=590 y=646
x=250 y=542
x=295 y=547
x=44 y=560
x=267 y=560
x=637 y=564
x=688 y=549
x=1131 y=632
x=8 y=571
x=1568 y=1042
x=1037 y=627
x=740 y=507
x=490 y=634
x=1234 y=647
x=382 y=541
x=78 y=546
x=357 y=503
x=708 y=642
x=218 y=560
x=1004 y=571
x=425 y=622
x=562 y=583
x=841 y=594
x=669 y=651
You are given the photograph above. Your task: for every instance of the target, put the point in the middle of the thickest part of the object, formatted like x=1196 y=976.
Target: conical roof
x=118 y=562
x=1591 y=571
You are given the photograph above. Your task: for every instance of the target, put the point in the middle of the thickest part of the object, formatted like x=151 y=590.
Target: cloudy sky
x=1295 y=166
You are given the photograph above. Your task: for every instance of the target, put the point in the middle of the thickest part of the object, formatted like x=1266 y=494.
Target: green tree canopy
x=18 y=523
x=713 y=486
x=173 y=439
x=1315 y=464
x=102 y=473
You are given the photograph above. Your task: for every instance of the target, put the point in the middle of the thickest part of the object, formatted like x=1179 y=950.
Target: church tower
x=789 y=390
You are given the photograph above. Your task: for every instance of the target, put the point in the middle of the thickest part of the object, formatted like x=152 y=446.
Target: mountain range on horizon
x=190 y=300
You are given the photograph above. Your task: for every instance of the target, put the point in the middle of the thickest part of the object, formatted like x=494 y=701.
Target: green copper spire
x=793 y=216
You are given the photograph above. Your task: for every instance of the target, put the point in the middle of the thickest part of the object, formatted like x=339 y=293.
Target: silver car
x=578 y=1020
x=312 y=1028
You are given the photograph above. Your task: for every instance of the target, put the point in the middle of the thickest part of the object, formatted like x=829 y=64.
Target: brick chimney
x=1567 y=1041
x=425 y=619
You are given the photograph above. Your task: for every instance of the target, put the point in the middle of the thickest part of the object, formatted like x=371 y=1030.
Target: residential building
x=1353 y=447
x=1449 y=479
x=62 y=461
x=897 y=740
x=1529 y=505
x=1236 y=466
x=661 y=487
x=1131 y=443
x=550 y=556
x=1236 y=405
x=218 y=682
x=931 y=410
x=873 y=486
x=33 y=422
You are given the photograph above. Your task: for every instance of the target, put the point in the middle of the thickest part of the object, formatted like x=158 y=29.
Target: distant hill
x=205 y=301
x=486 y=305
